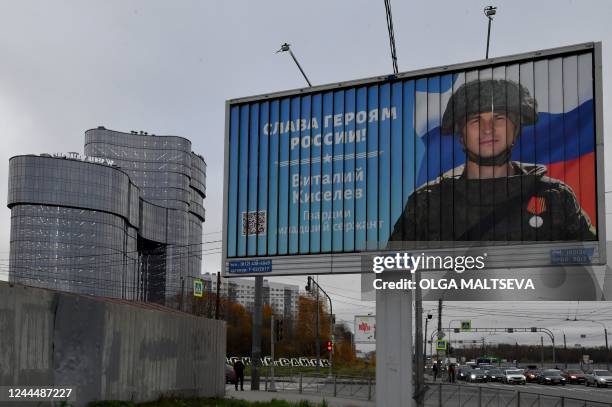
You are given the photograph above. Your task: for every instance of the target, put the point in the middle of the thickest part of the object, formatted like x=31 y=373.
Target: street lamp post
x=429 y=316
x=331 y=321
x=605 y=335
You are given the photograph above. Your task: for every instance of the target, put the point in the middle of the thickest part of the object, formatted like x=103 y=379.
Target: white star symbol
x=327 y=158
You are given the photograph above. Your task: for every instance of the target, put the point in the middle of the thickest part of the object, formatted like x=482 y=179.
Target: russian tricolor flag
x=563 y=139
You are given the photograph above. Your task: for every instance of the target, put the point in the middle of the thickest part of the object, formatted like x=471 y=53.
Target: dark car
x=463 y=373
x=532 y=375
x=574 y=375
x=494 y=375
x=552 y=377
x=476 y=375
x=230 y=375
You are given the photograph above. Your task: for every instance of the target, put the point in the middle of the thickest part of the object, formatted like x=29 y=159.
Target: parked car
x=230 y=375
x=574 y=375
x=477 y=375
x=532 y=375
x=494 y=375
x=512 y=376
x=551 y=377
x=599 y=378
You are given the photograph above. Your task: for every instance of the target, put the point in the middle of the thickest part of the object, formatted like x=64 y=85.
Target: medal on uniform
x=536 y=206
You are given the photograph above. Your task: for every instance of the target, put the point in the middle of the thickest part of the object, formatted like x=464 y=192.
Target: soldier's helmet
x=496 y=95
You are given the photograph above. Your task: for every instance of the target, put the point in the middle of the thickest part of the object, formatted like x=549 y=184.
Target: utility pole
x=565 y=350
x=272 y=340
x=256 y=339
x=418 y=322
x=210 y=298
x=182 y=293
x=542 y=347
x=218 y=291
x=429 y=316
x=318 y=334
x=607 y=349
x=440 y=333
x=331 y=323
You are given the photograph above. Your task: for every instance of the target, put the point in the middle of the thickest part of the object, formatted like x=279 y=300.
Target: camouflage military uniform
x=528 y=206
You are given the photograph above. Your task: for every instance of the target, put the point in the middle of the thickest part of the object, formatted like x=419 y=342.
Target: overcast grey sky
x=167 y=67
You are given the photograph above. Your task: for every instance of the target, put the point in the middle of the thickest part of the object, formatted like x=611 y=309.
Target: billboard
x=365 y=329
x=503 y=150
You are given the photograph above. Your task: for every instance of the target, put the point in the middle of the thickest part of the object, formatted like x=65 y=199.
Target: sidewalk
x=250 y=395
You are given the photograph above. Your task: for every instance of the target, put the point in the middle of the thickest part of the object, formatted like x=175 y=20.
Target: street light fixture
x=489 y=12
x=286 y=48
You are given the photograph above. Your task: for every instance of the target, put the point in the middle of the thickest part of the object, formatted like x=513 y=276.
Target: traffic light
x=279 y=330
x=329 y=345
x=308 y=288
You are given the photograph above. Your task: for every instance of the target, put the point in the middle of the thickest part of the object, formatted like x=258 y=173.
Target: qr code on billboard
x=254 y=223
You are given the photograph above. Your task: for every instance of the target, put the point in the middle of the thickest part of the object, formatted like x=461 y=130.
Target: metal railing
x=456 y=395
x=361 y=388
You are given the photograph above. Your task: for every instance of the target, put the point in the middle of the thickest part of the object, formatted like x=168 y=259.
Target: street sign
x=198 y=287
x=466 y=325
x=441 y=344
x=585 y=358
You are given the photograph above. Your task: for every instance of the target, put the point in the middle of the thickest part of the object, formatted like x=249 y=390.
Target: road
x=461 y=394
x=466 y=395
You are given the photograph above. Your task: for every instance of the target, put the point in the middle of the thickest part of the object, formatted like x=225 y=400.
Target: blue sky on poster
x=168 y=67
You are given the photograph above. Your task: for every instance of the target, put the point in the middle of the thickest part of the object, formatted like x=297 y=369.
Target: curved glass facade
x=129 y=230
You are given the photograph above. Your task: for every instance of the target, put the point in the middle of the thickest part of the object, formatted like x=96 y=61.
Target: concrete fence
x=107 y=349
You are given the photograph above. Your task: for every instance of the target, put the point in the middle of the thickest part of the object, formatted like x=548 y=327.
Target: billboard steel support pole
x=394 y=347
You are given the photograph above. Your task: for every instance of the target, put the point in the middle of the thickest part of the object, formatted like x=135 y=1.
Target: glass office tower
x=125 y=224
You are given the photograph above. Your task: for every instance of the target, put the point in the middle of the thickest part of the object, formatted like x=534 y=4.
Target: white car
x=512 y=376
x=599 y=378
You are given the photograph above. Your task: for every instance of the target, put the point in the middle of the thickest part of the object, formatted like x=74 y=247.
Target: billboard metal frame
x=350 y=262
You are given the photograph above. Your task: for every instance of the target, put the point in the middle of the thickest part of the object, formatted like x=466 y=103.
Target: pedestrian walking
x=239 y=370
x=435 y=371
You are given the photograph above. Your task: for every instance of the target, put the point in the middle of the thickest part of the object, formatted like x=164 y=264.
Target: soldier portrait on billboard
x=491 y=197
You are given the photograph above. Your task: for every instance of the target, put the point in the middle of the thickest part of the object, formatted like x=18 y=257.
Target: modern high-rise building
x=124 y=220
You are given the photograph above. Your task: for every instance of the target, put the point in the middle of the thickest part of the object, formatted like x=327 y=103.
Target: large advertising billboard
x=505 y=150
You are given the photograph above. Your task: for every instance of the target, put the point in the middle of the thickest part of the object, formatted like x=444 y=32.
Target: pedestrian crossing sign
x=198 y=287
